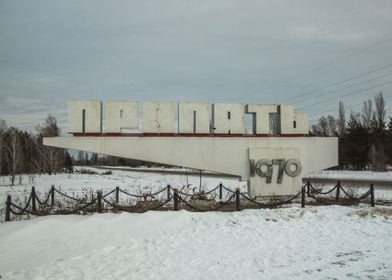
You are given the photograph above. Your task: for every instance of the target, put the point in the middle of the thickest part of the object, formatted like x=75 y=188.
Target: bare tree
x=355 y=120
x=380 y=111
x=13 y=153
x=53 y=158
x=50 y=127
x=342 y=119
x=367 y=113
x=326 y=126
x=332 y=126
x=321 y=128
x=3 y=128
x=36 y=163
x=378 y=133
x=376 y=156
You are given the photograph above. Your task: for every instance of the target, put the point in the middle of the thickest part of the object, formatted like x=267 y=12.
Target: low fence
x=338 y=194
x=170 y=198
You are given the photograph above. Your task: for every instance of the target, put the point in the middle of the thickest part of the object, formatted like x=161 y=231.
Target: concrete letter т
x=229 y=118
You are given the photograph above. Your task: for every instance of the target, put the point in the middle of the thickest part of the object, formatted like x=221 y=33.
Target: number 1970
x=264 y=168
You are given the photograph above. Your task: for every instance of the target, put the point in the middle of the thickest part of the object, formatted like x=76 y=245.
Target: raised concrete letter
x=292 y=122
x=159 y=117
x=229 y=118
x=286 y=119
x=261 y=122
x=84 y=117
x=194 y=117
x=120 y=115
x=301 y=125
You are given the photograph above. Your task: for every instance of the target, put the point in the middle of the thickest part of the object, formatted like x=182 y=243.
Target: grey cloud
x=52 y=51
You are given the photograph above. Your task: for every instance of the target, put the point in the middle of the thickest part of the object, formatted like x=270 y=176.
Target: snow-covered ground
x=136 y=182
x=323 y=242
x=352 y=175
x=357 y=182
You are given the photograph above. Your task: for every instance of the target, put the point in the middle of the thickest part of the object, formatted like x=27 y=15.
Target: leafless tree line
x=365 y=139
x=23 y=153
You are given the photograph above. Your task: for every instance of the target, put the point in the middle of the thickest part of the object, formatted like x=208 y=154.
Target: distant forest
x=365 y=142
x=365 y=138
x=22 y=152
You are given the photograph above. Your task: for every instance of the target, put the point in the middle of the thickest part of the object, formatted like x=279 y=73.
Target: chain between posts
x=221 y=204
x=271 y=204
x=142 y=195
x=311 y=189
x=339 y=188
x=65 y=195
x=44 y=202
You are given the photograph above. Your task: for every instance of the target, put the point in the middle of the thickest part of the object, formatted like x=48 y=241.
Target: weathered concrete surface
x=228 y=155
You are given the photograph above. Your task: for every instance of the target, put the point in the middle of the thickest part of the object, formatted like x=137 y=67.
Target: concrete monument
x=273 y=157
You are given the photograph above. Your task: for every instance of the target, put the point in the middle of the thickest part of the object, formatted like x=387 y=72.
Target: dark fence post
x=34 y=207
x=308 y=188
x=168 y=192
x=52 y=195
x=237 y=200
x=220 y=191
x=338 y=191
x=372 y=195
x=99 y=201
x=303 y=197
x=117 y=194
x=175 y=200
x=8 y=209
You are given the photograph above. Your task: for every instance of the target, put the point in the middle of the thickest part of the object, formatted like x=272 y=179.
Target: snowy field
x=323 y=242
x=348 y=174
x=357 y=182
x=315 y=243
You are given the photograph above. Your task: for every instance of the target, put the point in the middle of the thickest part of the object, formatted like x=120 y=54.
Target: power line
x=335 y=110
x=348 y=94
x=339 y=82
x=353 y=105
x=321 y=66
x=350 y=107
x=387 y=111
x=349 y=86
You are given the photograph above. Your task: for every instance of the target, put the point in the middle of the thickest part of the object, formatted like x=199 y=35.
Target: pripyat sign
x=206 y=137
x=114 y=117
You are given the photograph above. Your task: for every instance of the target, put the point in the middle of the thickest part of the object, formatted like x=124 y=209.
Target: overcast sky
x=205 y=50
